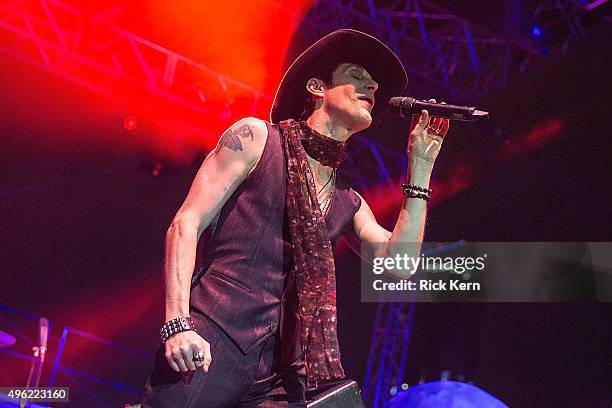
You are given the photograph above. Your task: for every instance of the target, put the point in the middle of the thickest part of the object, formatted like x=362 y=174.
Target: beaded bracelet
x=175 y=326
x=412 y=191
x=417 y=188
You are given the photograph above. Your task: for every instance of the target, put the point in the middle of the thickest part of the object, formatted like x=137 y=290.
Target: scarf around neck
x=313 y=261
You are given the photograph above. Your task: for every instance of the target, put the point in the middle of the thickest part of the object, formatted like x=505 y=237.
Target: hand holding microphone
x=426 y=136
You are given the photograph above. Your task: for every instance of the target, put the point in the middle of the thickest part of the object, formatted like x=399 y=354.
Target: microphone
x=43 y=334
x=406 y=106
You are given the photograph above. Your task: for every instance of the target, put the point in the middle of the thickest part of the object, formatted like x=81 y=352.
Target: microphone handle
x=411 y=106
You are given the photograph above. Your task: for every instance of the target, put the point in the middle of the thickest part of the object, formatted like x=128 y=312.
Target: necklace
x=331 y=176
x=327 y=204
x=324 y=204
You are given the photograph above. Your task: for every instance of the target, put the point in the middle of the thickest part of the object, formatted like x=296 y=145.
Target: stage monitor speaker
x=342 y=395
x=345 y=394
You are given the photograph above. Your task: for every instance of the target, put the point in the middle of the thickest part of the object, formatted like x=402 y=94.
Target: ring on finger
x=199 y=357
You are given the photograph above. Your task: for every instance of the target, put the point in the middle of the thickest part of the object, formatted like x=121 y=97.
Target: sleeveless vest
x=247 y=252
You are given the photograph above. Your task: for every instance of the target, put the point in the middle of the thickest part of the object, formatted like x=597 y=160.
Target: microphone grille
x=396 y=101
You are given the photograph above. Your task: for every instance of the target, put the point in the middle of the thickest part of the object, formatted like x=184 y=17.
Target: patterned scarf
x=313 y=260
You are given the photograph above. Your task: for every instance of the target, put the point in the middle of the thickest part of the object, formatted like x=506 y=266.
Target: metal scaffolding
x=453 y=56
x=388 y=351
x=89 y=50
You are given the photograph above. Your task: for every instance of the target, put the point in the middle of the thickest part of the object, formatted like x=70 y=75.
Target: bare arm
x=423 y=149
x=224 y=169
x=410 y=224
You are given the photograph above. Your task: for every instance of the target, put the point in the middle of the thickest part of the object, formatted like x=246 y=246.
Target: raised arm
x=224 y=169
x=424 y=145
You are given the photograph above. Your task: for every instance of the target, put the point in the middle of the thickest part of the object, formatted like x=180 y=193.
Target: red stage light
x=156 y=169
x=130 y=123
x=540 y=134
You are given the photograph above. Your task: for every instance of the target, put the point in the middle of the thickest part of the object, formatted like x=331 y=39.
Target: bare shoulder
x=244 y=135
x=244 y=142
x=363 y=207
x=359 y=195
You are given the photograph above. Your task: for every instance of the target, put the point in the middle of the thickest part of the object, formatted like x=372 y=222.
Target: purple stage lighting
x=536 y=31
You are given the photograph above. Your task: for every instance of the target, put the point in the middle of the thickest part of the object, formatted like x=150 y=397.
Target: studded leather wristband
x=175 y=326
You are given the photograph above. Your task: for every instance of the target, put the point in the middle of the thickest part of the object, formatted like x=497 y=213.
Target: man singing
x=257 y=325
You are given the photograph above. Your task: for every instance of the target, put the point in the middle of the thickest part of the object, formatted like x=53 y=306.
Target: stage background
x=83 y=225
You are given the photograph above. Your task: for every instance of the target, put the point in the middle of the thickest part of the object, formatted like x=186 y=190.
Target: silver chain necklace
x=327 y=203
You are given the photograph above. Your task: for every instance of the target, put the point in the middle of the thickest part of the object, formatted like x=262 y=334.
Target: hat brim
x=341 y=46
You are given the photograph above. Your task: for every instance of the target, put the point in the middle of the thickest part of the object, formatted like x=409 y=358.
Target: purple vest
x=247 y=252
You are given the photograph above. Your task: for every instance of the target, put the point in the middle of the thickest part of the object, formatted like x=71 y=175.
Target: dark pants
x=234 y=379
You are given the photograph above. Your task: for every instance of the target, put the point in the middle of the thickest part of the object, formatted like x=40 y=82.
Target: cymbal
x=6 y=340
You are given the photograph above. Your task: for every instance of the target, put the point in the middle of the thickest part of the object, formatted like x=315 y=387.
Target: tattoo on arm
x=231 y=139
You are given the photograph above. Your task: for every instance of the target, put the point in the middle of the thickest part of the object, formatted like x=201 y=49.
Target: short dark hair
x=325 y=75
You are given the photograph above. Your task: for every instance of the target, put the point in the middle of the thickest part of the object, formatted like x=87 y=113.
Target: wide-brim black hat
x=335 y=48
